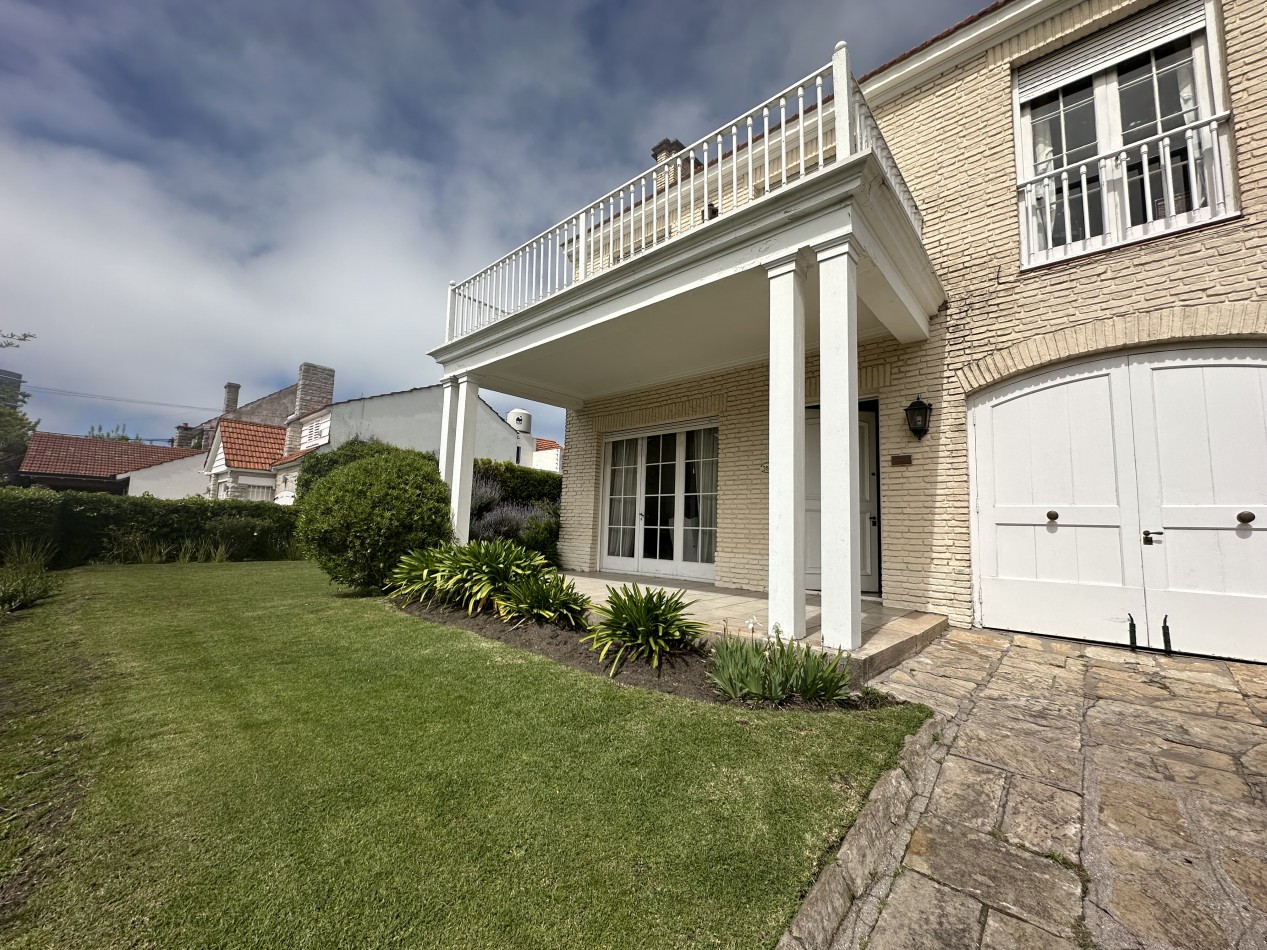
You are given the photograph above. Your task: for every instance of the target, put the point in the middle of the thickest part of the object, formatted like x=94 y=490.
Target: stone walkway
x=1088 y=797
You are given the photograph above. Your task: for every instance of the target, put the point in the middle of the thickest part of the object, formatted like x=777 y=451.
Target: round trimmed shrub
x=359 y=519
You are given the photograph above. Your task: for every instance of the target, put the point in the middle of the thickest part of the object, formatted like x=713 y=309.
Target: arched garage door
x=1127 y=488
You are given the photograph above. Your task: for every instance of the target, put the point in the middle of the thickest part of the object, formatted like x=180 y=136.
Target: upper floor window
x=315 y=433
x=1121 y=136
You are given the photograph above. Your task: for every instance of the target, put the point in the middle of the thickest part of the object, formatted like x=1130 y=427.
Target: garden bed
x=684 y=674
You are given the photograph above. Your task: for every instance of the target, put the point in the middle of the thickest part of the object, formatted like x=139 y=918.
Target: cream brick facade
x=1000 y=320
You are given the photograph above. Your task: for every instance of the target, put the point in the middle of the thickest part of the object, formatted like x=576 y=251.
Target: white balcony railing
x=782 y=142
x=1178 y=179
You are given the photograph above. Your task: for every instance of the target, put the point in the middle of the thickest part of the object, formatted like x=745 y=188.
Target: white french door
x=661 y=503
x=1128 y=490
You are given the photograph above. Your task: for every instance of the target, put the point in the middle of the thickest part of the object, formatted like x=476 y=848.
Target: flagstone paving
x=1089 y=797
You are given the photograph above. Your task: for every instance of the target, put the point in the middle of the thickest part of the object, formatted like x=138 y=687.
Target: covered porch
x=799 y=243
x=889 y=634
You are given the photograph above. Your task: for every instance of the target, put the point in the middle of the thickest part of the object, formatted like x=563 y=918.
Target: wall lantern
x=918 y=415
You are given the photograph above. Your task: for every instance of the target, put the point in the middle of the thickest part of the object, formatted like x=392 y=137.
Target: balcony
x=1168 y=182
x=781 y=145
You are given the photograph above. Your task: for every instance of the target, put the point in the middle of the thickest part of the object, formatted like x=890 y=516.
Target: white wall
x=550 y=460
x=178 y=478
x=411 y=420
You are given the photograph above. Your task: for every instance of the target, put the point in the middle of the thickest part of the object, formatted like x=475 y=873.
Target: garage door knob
x=1245 y=517
x=1053 y=515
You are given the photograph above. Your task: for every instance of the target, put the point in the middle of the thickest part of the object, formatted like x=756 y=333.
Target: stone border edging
x=845 y=901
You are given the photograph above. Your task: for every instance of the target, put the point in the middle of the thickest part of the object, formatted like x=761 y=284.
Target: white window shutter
x=1134 y=35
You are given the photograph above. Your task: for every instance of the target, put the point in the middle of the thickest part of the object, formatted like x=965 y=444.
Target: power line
x=139 y=402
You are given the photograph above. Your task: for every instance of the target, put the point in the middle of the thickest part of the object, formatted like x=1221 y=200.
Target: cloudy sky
x=197 y=192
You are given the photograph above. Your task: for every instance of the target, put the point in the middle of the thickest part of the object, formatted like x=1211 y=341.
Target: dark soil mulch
x=684 y=674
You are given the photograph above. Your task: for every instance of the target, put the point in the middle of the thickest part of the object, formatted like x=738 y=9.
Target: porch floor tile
x=889 y=634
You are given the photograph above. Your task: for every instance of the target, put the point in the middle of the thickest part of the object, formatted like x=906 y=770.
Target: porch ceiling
x=701 y=303
x=711 y=328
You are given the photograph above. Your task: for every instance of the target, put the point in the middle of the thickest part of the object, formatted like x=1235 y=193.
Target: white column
x=448 y=419
x=838 y=415
x=787 y=446
x=464 y=456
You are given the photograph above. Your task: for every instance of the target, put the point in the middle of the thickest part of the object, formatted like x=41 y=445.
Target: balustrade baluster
x=1148 y=184
x=800 y=129
x=818 y=93
x=783 y=140
x=1216 y=164
x=751 y=184
x=1167 y=176
x=765 y=148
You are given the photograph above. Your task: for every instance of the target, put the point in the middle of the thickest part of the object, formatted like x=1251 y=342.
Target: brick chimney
x=664 y=149
x=231 y=391
x=185 y=435
x=315 y=389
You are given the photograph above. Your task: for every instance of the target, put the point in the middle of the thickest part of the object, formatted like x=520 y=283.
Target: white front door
x=1072 y=467
x=868 y=508
x=661 y=503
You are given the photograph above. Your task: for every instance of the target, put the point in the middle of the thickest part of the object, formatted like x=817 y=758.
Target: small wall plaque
x=901 y=460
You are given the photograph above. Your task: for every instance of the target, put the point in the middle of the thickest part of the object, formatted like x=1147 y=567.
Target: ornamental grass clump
x=545 y=597
x=777 y=671
x=24 y=576
x=468 y=575
x=643 y=625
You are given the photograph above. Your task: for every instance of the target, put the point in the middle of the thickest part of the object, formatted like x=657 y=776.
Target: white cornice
x=961 y=46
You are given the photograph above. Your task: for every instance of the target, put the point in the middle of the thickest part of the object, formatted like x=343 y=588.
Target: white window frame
x=1212 y=129
x=677 y=568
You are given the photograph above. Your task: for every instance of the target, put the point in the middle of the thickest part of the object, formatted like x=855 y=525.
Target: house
x=241 y=458
x=409 y=419
x=80 y=463
x=274 y=409
x=983 y=334
x=548 y=456
x=179 y=478
x=545 y=454
x=246 y=442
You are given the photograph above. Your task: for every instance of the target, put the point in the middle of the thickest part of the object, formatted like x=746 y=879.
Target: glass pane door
x=622 y=495
x=660 y=497
x=661 y=505
x=699 y=497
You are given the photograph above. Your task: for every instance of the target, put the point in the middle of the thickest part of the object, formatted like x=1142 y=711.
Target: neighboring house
x=1049 y=222
x=241 y=458
x=79 y=463
x=548 y=456
x=180 y=478
x=409 y=419
x=242 y=451
x=532 y=452
x=274 y=409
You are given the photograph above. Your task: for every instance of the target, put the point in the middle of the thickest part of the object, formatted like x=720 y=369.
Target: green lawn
x=232 y=755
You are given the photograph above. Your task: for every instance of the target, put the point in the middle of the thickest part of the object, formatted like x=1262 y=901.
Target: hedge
x=90 y=526
x=520 y=485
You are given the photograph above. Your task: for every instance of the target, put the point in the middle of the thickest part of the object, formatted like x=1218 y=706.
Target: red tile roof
x=544 y=445
x=49 y=453
x=252 y=445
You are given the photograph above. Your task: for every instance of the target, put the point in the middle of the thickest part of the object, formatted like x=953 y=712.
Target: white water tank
x=520 y=420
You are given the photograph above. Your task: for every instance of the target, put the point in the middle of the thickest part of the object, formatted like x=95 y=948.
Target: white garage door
x=1132 y=488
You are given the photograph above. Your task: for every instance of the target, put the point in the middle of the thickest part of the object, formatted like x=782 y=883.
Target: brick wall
x=954 y=140
x=1001 y=321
